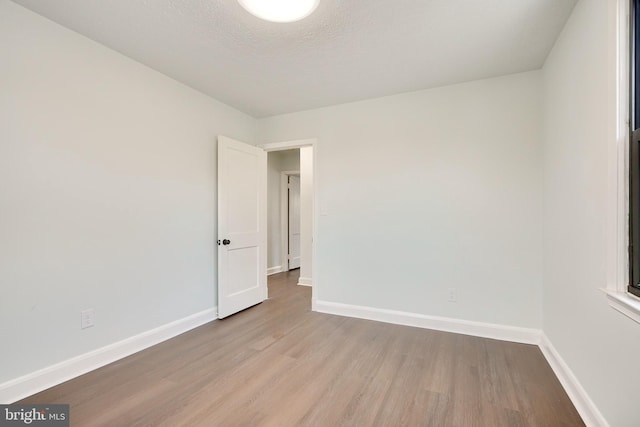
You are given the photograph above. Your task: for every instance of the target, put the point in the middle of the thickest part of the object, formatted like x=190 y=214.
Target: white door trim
x=299 y=143
x=289 y=145
x=284 y=218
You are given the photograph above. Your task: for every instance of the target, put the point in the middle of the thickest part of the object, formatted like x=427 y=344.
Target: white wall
x=277 y=162
x=306 y=216
x=597 y=342
x=427 y=191
x=107 y=194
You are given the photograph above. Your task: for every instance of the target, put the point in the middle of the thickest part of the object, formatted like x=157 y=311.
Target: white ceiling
x=347 y=50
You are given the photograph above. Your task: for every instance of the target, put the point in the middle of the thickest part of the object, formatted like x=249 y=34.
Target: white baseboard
x=35 y=382
x=579 y=397
x=305 y=281
x=466 y=327
x=581 y=400
x=50 y=376
x=274 y=270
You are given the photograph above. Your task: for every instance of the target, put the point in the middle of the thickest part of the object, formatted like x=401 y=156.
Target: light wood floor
x=280 y=364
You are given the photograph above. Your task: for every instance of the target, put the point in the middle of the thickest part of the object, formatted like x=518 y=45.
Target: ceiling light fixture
x=280 y=10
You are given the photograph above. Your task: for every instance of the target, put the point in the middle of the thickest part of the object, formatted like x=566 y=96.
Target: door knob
x=226 y=241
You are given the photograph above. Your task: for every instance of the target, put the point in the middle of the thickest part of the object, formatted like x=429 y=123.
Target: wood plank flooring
x=280 y=364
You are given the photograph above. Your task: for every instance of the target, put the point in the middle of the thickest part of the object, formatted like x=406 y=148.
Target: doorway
x=284 y=256
x=290 y=220
x=243 y=214
x=282 y=251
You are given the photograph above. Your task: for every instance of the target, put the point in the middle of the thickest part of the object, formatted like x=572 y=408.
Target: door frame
x=313 y=143
x=284 y=217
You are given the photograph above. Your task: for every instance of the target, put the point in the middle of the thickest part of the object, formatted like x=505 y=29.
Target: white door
x=242 y=226
x=294 y=222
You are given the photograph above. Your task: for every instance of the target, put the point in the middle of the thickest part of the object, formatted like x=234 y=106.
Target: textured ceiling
x=347 y=50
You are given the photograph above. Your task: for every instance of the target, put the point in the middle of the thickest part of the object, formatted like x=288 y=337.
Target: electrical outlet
x=453 y=295
x=87 y=318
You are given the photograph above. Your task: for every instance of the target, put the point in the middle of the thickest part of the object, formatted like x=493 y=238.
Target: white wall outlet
x=87 y=318
x=453 y=295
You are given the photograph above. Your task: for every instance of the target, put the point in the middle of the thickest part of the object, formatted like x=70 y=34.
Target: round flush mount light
x=280 y=10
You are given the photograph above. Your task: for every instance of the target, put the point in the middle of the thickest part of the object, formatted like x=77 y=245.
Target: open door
x=242 y=226
x=294 y=222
